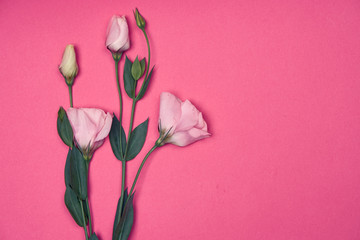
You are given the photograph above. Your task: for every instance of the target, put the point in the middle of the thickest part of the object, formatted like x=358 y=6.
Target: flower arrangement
x=84 y=130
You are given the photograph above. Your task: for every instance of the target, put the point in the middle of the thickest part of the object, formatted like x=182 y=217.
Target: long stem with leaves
x=117 y=58
x=80 y=201
x=135 y=100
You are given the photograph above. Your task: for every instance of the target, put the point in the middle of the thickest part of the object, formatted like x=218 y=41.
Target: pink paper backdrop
x=277 y=81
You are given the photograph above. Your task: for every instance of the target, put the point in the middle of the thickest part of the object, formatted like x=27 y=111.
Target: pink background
x=277 y=81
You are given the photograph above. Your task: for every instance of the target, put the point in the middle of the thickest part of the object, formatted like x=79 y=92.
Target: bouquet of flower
x=84 y=130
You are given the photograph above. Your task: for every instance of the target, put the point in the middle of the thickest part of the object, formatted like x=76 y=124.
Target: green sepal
x=73 y=205
x=93 y=237
x=145 y=86
x=124 y=226
x=142 y=64
x=64 y=128
x=67 y=169
x=136 y=69
x=115 y=140
x=137 y=140
x=129 y=82
x=78 y=174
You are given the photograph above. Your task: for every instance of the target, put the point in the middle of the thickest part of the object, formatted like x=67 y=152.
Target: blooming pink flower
x=90 y=126
x=180 y=123
x=117 y=36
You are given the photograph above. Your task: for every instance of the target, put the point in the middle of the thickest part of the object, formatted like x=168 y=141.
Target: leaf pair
x=138 y=68
x=78 y=174
x=129 y=80
x=76 y=186
x=124 y=217
x=136 y=141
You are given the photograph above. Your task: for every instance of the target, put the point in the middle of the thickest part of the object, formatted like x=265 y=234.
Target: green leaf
x=137 y=140
x=93 y=237
x=136 y=69
x=119 y=211
x=129 y=82
x=124 y=226
x=64 y=128
x=67 y=169
x=73 y=205
x=145 y=86
x=115 y=140
x=78 y=173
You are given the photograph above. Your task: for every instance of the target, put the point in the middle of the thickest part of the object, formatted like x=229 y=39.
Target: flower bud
x=68 y=66
x=137 y=70
x=140 y=21
x=117 y=37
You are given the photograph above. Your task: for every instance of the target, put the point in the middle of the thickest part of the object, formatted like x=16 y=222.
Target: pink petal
x=104 y=131
x=97 y=145
x=187 y=137
x=170 y=111
x=201 y=124
x=118 y=34
x=189 y=117
x=113 y=31
x=84 y=129
x=90 y=126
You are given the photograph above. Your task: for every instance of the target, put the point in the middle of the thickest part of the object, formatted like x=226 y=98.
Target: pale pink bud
x=117 y=36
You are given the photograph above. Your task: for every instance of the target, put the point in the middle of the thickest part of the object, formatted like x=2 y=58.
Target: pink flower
x=117 y=36
x=90 y=126
x=180 y=123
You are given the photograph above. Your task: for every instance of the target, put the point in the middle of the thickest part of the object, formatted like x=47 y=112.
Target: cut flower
x=90 y=126
x=180 y=123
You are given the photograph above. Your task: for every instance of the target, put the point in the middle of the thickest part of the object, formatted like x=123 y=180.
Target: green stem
x=87 y=200
x=89 y=214
x=70 y=94
x=139 y=170
x=127 y=143
x=120 y=97
x=148 y=62
x=148 y=45
x=123 y=163
x=131 y=123
x=83 y=215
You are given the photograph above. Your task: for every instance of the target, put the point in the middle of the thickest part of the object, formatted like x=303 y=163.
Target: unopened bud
x=136 y=69
x=68 y=66
x=140 y=21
